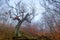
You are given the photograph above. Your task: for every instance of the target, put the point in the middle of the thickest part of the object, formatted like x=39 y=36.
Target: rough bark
x=17 y=33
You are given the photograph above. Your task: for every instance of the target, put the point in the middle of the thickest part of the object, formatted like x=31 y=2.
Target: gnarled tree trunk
x=17 y=33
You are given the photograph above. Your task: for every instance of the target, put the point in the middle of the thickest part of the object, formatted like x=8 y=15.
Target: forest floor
x=7 y=33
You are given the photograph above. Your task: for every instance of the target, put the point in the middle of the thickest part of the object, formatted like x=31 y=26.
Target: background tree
x=3 y=16
x=51 y=14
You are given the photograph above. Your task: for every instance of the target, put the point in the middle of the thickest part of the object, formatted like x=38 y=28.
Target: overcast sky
x=39 y=8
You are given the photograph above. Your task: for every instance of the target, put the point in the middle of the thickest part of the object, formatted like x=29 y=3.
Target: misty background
x=47 y=13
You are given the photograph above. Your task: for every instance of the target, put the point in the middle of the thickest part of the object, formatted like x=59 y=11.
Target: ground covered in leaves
x=7 y=33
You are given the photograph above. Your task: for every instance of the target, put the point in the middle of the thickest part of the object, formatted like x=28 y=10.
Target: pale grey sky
x=39 y=8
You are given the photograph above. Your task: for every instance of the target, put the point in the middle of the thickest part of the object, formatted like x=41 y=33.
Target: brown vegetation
x=7 y=33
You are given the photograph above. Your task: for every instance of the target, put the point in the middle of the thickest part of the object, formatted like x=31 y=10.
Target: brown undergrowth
x=7 y=33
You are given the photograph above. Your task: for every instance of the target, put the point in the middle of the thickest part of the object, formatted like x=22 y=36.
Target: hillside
x=7 y=33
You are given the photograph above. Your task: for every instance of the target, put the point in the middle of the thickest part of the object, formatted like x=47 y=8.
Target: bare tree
x=52 y=11
x=21 y=14
x=3 y=16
